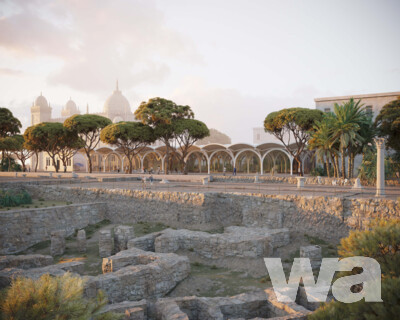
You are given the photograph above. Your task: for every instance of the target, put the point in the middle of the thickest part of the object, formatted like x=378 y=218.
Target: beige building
x=373 y=103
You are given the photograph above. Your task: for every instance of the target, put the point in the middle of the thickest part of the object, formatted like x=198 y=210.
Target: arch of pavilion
x=206 y=159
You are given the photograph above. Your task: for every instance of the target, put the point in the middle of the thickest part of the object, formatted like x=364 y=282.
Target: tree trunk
x=337 y=166
x=166 y=165
x=130 y=160
x=328 y=171
x=37 y=160
x=2 y=158
x=349 y=173
x=300 y=167
x=54 y=163
x=89 y=161
x=343 y=163
x=65 y=165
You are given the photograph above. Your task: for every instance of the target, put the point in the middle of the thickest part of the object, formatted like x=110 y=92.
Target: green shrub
x=50 y=298
x=388 y=309
x=318 y=171
x=14 y=198
x=382 y=243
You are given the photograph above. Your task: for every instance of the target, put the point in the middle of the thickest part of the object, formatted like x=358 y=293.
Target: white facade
x=371 y=102
x=260 y=136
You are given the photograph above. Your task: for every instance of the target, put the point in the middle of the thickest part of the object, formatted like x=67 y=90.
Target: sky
x=232 y=61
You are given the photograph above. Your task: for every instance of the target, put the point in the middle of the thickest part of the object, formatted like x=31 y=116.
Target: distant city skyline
x=233 y=62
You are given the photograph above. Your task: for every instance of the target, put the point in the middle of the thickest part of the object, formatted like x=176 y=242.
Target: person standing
x=234 y=171
x=224 y=170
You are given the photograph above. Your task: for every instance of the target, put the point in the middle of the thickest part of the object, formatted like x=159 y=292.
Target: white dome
x=41 y=102
x=69 y=109
x=71 y=106
x=116 y=105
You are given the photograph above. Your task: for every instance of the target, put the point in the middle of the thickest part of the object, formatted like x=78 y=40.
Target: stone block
x=314 y=253
x=25 y=261
x=105 y=243
x=133 y=310
x=300 y=182
x=81 y=241
x=6 y=275
x=136 y=313
x=136 y=274
x=145 y=243
x=122 y=234
x=57 y=243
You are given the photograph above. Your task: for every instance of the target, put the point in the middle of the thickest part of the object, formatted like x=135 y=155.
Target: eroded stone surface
x=122 y=234
x=81 y=241
x=238 y=248
x=133 y=310
x=25 y=261
x=314 y=253
x=145 y=243
x=254 y=305
x=135 y=274
x=6 y=275
x=105 y=243
x=57 y=245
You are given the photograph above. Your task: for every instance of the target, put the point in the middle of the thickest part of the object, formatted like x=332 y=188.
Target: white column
x=104 y=164
x=262 y=166
x=162 y=164
x=142 y=164
x=380 y=166
x=209 y=166
x=291 y=165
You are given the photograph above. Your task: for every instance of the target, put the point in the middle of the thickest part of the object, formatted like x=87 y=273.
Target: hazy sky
x=232 y=61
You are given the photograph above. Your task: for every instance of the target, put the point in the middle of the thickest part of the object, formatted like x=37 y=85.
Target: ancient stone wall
x=327 y=217
x=23 y=228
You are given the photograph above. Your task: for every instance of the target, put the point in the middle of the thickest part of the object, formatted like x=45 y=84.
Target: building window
x=327 y=110
x=47 y=161
x=369 y=111
x=69 y=162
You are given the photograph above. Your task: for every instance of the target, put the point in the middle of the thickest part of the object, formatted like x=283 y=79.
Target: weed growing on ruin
x=51 y=298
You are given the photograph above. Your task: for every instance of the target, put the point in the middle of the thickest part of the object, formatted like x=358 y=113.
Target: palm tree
x=321 y=142
x=346 y=131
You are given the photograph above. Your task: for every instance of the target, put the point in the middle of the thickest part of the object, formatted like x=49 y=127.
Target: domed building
x=117 y=107
x=40 y=110
x=69 y=109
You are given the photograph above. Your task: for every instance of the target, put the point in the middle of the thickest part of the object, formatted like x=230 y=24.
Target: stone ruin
x=138 y=277
x=57 y=243
x=109 y=245
x=238 y=248
x=314 y=253
x=81 y=241
x=105 y=243
x=135 y=274
x=122 y=234
x=129 y=275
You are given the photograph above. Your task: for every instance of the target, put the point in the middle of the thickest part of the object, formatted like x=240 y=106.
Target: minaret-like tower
x=40 y=110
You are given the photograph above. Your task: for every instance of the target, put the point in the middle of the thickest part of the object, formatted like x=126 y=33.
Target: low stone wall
x=252 y=305
x=284 y=179
x=22 y=228
x=329 y=218
x=309 y=180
